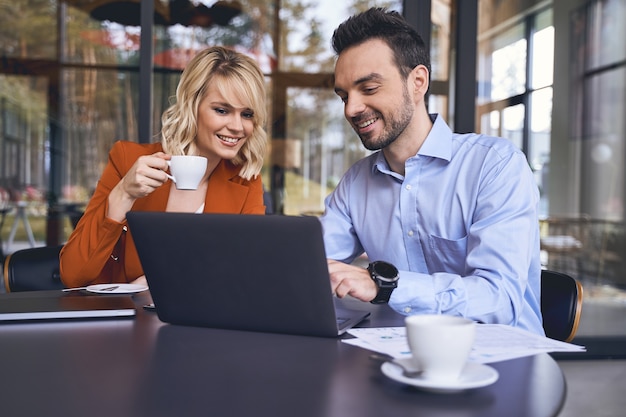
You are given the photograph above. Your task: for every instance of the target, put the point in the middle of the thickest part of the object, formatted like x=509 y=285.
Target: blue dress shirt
x=461 y=226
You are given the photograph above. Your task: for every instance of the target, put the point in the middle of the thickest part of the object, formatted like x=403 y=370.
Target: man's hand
x=351 y=280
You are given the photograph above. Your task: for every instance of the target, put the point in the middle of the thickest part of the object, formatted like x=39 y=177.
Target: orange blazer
x=101 y=250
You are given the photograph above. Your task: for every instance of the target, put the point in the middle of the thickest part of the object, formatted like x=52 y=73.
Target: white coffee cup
x=187 y=171
x=440 y=345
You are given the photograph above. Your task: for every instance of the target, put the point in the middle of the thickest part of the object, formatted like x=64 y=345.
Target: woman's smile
x=229 y=140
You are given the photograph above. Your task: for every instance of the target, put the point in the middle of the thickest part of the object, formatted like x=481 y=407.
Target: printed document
x=494 y=342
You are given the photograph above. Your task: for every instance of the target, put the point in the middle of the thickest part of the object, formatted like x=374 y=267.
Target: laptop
x=56 y=305
x=241 y=272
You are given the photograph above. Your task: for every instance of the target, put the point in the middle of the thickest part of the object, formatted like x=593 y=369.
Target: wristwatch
x=385 y=275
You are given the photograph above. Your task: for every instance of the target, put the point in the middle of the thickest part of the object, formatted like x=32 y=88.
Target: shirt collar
x=380 y=163
x=438 y=144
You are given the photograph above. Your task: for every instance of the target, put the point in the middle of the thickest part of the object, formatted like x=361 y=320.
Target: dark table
x=143 y=367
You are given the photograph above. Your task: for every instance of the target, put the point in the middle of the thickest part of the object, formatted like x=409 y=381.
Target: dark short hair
x=409 y=49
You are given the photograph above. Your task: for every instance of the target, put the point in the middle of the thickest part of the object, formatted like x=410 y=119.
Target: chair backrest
x=33 y=269
x=561 y=305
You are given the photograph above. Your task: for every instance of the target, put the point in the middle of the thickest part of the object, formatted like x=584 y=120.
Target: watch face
x=385 y=270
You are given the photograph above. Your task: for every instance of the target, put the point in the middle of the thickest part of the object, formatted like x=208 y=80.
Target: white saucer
x=474 y=376
x=119 y=288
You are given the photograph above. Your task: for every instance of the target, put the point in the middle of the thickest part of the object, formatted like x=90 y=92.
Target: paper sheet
x=494 y=342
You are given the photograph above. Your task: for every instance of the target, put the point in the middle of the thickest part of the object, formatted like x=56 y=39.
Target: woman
x=220 y=114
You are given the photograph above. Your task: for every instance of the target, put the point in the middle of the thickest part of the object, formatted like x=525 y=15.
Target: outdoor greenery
x=99 y=82
x=37 y=224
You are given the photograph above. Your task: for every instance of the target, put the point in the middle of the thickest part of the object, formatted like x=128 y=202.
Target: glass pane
x=24 y=159
x=114 y=38
x=307 y=47
x=602 y=196
x=605 y=33
x=319 y=148
x=28 y=29
x=100 y=108
x=508 y=70
x=249 y=32
x=539 y=141
x=513 y=124
x=88 y=40
x=604 y=136
x=502 y=65
x=440 y=39
x=542 y=58
x=598 y=108
x=490 y=123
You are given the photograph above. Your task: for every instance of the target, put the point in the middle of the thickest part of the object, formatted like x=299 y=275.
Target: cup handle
x=169 y=163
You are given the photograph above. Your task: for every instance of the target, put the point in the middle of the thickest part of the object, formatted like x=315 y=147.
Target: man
x=453 y=216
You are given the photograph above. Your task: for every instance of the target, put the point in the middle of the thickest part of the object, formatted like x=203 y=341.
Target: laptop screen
x=246 y=272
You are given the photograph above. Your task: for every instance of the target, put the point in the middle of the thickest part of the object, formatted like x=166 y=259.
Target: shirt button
x=408 y=186
x=410 y=232
x=407 y=309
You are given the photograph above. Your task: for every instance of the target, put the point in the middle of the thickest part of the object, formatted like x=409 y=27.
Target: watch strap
x=385 y=285
x=384 y=293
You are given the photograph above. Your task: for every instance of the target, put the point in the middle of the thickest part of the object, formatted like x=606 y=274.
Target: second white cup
x=187 y=171
x=440 y=345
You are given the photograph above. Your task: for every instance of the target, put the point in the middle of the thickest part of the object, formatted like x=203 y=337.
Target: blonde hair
x=232 y=73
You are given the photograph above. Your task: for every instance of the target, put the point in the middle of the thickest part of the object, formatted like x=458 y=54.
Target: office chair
x=561 y=305
x=33 y=269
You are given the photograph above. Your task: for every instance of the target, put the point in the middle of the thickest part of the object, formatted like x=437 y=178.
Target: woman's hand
x=146 y=175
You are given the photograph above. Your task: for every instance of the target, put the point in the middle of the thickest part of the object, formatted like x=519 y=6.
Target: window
x=77 y=74
x=597 y=108
x=515 y=88
x=315 y=145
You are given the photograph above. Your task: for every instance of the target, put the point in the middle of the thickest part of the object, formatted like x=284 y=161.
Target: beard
x=395 y=124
